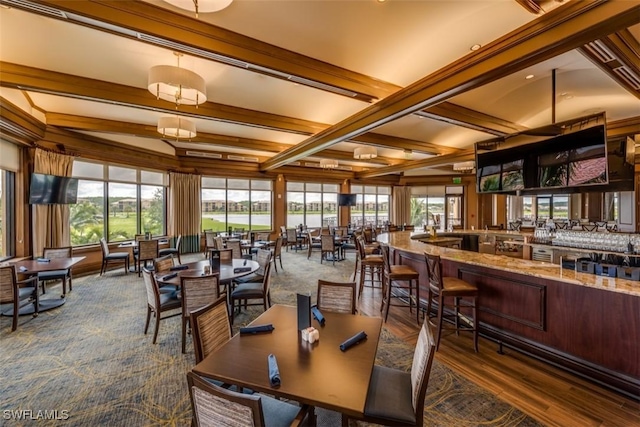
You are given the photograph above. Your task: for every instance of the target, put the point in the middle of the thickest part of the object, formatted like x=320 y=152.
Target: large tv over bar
x=577 y=159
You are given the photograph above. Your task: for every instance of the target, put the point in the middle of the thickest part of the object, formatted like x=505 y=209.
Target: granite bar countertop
x=405 y=240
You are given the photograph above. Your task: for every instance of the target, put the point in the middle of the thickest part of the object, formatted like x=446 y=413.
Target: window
x=428 y=206
x=372 y=205
x=236 y=203
x=7 y=214
x=312 y=204
x=133 y=201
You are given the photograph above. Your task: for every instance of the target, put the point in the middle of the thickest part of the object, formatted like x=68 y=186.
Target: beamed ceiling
x=290 y=83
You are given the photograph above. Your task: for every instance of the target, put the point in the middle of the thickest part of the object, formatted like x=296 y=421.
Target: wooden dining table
x=228 y=272
x=317 y=374
x=32 y=267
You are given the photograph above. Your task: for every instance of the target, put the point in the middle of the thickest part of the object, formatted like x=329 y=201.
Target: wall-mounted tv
x=345 y=199
x=52 y=189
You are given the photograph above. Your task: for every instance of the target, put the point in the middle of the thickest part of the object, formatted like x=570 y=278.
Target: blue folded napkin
x=43 y=260
x=256 y=329
x=317 y=314
x=274 y=373
x=353 y=341
x=179 y=267
x=169 y=276
x=241 y=269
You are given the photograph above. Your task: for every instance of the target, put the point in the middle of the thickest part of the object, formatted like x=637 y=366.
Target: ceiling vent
x=243 y=158
x=202 y=154
x=600 y=51
x=35 y=7
x=628 y=76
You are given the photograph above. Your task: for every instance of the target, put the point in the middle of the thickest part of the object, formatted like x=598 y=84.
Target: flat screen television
x=345 y=199
x=52 y=189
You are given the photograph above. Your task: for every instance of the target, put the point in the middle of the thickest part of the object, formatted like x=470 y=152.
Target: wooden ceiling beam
x=552 y=34
x=447 y=159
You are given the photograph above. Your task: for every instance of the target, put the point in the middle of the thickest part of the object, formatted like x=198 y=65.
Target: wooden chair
x=370 y=264
x=253 y=291
x=292 y=239
x=440 y=288
x=210 y=328
x=263 y=236
x=313 y=241
x=217 y=406
x=337 y=297
x=263 y=258
x=14 y=292
x=173 y=251
x=276 y=254
x=395 y=397
x=108 y=257
x=236 y=248
x=209 y=241
x=64 y=275
x=158 y=303
x=196 y=292
x=147 y=251
x=328 y=246
x=394 y=276
x=161 y=265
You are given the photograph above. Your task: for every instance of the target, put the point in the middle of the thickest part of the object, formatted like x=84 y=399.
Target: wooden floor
x=550 y=395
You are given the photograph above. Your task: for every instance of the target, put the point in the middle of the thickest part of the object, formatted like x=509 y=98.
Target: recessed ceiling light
x=529 y=77
x=475 y=47
x=563 y=94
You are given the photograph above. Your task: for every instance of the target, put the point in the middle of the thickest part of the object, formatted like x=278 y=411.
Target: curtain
x=401 y=213
x=185 y=210
x=51 y=222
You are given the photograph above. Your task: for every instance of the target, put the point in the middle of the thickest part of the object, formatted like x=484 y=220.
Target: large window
x=428 y=207
x=311 y=204
x=7 y=214
x=236 y=203
x=372 y=205
x=131 y=200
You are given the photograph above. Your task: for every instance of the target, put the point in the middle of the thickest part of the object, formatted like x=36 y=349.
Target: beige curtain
x=185 y=209
x=51 y=222
x=401 y=213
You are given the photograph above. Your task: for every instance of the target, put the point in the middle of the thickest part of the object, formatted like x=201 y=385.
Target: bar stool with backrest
x=441 y=287
x=371 y=264
x=393 y=276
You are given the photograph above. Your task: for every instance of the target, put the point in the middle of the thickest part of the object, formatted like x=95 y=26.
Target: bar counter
x=584 y=323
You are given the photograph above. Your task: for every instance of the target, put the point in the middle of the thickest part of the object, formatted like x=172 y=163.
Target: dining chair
x=218 y=243
x=263 y=258
x=210 y=327
x=253 y=291
x=397 y=397
x=328 y=246
x=116 y=257
x=196 y=292
x=336 y=297
x=236 y=248
x=313 y=241
x=276 y=254
x=147 y=251
x=174 y=250
x=162 y=265
x=292 y=239
x=158 y=303
x=209 y=241
x=442 y=288
x=64 y=275
x=212 y=405
x=18 y=293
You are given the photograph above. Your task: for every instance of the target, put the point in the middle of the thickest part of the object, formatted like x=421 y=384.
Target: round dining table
x=228 y=272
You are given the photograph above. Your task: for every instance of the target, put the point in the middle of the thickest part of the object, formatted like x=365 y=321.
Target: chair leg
x=146 y=325
x=155 y=333
x=387 y=296
x=439 y=320
x=184 y=334
x=456 y=301
x=281 y=262
x=475 y=323
x=179 y=261
x=417 y=299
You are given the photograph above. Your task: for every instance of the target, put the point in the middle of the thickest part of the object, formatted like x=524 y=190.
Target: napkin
x=169 y=276
x=43 y=260
x=353 y=341
x=274 y=373
x=179 y=267
x=256 y=329
x=317 y=314
x=241 y=269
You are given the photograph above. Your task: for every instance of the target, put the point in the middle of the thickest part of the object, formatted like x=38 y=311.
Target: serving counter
x=582 y=322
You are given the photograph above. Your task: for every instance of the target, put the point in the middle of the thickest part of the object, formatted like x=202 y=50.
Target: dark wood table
x=318 y=374
x=31 y=267
x=196 y=269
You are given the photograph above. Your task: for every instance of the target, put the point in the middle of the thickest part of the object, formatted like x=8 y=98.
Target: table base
x=44 y=305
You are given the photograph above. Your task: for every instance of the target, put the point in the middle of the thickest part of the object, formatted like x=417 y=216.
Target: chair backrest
x=421 y=368
x=104 y=247
x=218 y=242
x=234 y=245
x=210 y=327
x=153 y=293
x=163 y=264
x=263 y=258
x=216 y=406
x=292 y=236
x=8 y=285
x=139 y=237
x=385 y=258
x=337 y=297
x=434 y=271
x=277 y=250
x=360 y=246
x=263 y=236
x=148 y=249
x=327 y=242
x=198 y=292
x=53 y=253
x=226 y=256
x=368 y=235
x=209 y=239
x=266 y=280
x=178 y=242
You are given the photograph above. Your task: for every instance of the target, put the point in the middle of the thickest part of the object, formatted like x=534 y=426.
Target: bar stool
x=367 y=264
x=442 y=287
x=398 y=273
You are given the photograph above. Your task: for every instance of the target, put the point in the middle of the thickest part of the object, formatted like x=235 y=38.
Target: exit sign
x=457 y=180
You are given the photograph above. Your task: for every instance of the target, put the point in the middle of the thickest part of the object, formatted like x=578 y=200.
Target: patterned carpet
x=90 y=361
